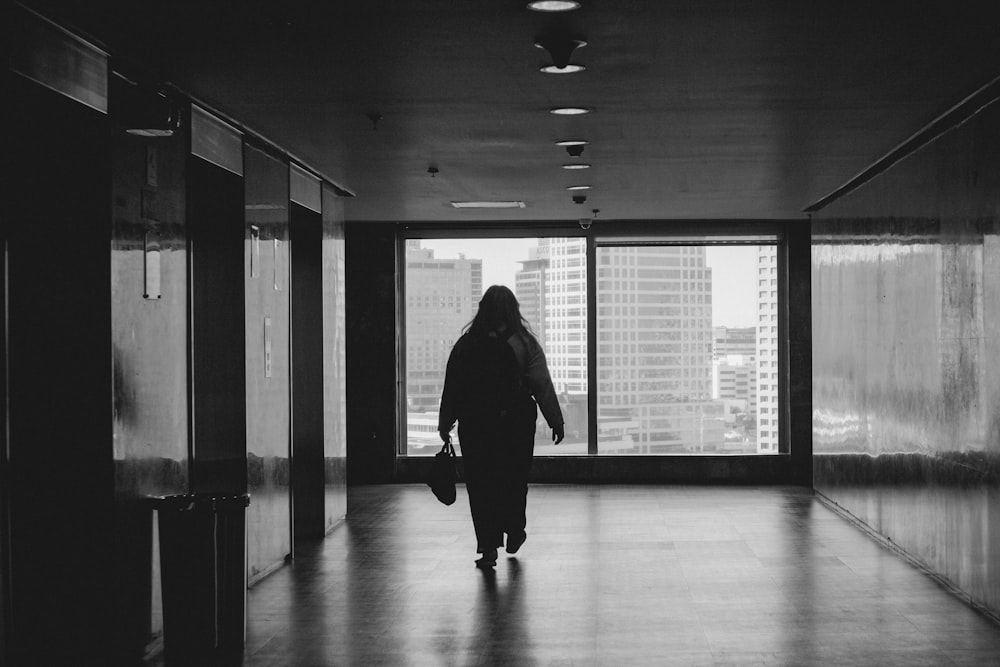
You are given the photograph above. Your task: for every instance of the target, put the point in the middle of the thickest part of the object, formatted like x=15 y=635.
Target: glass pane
x=444 y=281
x=687 y=350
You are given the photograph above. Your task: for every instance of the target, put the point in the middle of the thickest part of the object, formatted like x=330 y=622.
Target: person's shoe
x=489 y=559
x=514 y=542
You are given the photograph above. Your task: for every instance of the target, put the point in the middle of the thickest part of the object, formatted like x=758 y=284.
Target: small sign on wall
x=279 y=265
x=254 y=251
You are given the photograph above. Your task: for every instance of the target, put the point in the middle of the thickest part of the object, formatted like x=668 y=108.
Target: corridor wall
x=149 y=329
x=127 y=346
x=62 y=511
x=906 y=355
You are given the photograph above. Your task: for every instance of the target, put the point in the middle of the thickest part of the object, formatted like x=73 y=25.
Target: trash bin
x=203 y=575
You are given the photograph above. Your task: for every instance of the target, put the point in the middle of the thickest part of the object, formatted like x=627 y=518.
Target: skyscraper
x=441 y=298
x=654 y=356
x=734 y=366
x=529 y=287
x=768 y=415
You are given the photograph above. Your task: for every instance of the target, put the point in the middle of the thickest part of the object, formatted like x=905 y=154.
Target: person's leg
x=481 y=485
x=515 y=486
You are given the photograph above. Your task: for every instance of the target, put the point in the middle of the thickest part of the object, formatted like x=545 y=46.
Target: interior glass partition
x=687 y=347
x=444 y=279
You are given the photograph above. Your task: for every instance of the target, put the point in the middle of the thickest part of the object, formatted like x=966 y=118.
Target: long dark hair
x=498 y=309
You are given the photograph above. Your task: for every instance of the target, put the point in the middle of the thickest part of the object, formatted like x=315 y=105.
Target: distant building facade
x=768 y=414
x=654 y=347
x=734 y=367
x=441 y=298
x=529 y=287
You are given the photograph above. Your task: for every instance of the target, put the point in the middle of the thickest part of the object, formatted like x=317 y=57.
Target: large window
x=685 y=346
x=443 y=282
x=687 y=349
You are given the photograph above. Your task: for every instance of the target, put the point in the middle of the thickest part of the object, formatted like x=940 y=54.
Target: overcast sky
x=734 y=272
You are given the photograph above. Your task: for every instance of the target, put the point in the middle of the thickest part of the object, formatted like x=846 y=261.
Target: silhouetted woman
x=496 y=374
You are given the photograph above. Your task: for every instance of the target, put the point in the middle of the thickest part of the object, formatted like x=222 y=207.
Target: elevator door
x=269 y=536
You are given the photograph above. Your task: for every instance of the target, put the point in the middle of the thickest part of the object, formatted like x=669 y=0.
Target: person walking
x=495 y=383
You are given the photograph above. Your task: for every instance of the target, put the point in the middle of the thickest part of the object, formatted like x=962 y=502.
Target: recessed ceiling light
x=578 y=187
x=568 y=69
x=572 y=142
x=488 y=204
x=553 y=5
x=569 y=111
x=576 y=166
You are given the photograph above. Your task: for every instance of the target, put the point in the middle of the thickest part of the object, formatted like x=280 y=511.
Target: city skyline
x=734 y=310
x=661 y=385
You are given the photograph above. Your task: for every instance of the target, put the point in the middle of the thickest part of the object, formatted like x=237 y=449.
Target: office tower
x=733 y=340
x=441 y=298
x=768 y=415
x=734 y=369
x=566 y=313
x=529 y=287
x=654 y=347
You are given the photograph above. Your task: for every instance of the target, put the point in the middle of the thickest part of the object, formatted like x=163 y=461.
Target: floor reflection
x=610 y=575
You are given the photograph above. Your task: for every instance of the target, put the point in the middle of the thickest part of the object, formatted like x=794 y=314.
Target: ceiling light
x=553 y=5
x=576 y=166
x=569 y=111
x=578 y=187
x=572 y=142
x=568 y=69
x=488 y=204
x=560 y=48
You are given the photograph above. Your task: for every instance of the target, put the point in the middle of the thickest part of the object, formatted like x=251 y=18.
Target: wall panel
x=334 y=360
x=218 y=346
x=268 y=370
x=59 y=328
x=308 y=358
x=370 y=270
x=906 y=356
x=149 y=329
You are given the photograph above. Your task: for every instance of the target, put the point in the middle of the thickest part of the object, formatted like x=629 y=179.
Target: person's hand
x=558 y=433
x=445 y=436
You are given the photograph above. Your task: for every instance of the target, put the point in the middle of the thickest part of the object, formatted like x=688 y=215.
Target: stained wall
x=906 y=355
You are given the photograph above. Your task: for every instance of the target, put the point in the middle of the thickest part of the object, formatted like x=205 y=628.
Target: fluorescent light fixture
x=568 y=69
x=569 y=111
x=488 y=204
x=578 y=187
x=553 y=5
x=576 y=166
x=572 y=142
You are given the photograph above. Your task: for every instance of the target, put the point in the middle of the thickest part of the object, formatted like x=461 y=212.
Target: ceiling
x=703 y=109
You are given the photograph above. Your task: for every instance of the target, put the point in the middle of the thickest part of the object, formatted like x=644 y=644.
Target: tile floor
x=610 y=575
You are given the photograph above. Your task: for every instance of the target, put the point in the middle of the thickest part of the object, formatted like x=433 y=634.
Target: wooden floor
x=610 y=575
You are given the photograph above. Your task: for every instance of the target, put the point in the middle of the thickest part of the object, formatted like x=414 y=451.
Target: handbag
x=444 y=474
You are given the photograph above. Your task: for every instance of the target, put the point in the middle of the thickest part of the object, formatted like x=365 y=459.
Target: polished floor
x=610 y=575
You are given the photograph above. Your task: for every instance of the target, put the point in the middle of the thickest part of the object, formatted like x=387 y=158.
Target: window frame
x=610 y=234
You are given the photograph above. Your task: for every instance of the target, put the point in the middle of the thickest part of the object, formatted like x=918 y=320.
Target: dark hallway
x=756 y=245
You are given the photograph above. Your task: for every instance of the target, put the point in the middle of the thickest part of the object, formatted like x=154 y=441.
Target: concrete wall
x=906 y=355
